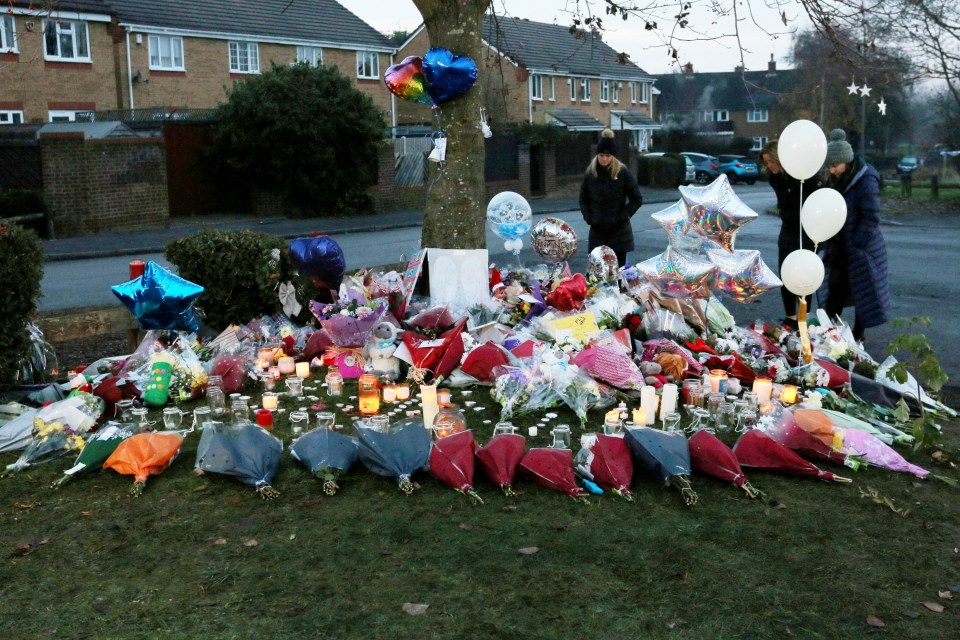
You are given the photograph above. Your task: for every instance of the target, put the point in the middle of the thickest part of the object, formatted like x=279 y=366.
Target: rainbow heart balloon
x=406 y=80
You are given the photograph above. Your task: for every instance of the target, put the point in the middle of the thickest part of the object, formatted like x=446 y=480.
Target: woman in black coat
x=788 y=190
x=609 y=196
x=856 y=258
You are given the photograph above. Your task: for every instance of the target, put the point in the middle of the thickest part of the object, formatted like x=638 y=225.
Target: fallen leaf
x=775 y=504
x=940 y=456
x=528 y=551
x=232 y=500
x=911 y=614
x=561 y=527
x=671 y=625
x=415 y=609
x=201 y=488
x=465 y=526
x=934 y=606
x=85 y=513
x=26 y=505
x=509 y=508
x=220 y=541
x=874 y=621
x=250 y=543
x=945 y=595
x=293 y=536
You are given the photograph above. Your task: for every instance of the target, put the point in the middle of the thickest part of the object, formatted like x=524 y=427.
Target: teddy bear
x=652 y=373
x=380 y=349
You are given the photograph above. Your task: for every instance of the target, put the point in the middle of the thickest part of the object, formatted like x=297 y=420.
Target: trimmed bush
x=664 y=172
x=240 y=271
x=21 y=270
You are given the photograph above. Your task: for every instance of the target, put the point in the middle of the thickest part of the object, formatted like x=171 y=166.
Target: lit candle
x=390 y=393
x=303 y=369
x=789 y=394
x=668 y=403
x=443 y=397
x=640 y=416
x=286 y=365
x=648 y=401
x=428 y=404
x=261 y=364
x=613 y=415
x=274 y=371
x=267 y=354
x=718 y=381
x=403 y=392
x=763 y=387
x=270 y=401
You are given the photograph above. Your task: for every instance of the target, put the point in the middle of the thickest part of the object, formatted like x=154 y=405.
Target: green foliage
x=17 y=202
x=532 y=133
x=21 y=270
x=923 y=363
x=304 y=133
x=240 y=272
x=666 y=171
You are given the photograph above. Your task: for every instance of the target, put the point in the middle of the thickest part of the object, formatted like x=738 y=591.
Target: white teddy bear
x=380 y=349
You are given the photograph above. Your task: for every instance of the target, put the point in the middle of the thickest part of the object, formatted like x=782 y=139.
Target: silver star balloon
x=675 y=275
x=741 y=275
x=675 y=220
x=715 y=211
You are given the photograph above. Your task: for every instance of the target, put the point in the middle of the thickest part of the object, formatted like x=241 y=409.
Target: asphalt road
x=922 y=253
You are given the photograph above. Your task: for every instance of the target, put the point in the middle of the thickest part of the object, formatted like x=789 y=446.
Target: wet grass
x=205 y=557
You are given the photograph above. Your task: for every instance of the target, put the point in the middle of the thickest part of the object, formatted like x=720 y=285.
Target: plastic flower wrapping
x=143 y=455
x=52 y=439
x=95 y=451
x=243 y=451
x=328 y=455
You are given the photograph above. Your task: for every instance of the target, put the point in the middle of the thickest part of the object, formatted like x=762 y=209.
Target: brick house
x=544 y=74
x=125 y=54
x=743 y=104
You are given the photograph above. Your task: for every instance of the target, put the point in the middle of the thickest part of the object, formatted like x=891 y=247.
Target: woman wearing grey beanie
x=856 y=258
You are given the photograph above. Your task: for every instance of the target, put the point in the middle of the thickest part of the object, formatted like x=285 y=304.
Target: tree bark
x=456 y=209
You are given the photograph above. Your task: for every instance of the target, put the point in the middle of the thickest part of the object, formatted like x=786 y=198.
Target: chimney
x=772 y=65
x=688 y=68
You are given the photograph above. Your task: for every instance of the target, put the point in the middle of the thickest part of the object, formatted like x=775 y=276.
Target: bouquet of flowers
x=348 y=323
x=95 y=452
x=51 y=441
x=327 y=454
x=244 y=451
x=143 y=455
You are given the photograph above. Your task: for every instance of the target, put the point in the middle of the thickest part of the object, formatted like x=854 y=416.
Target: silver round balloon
x=554 y=240
x=602 y=264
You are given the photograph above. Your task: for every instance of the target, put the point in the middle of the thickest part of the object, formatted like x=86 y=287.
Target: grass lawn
x=205 y=557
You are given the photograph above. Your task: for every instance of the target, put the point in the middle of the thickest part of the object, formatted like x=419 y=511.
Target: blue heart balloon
x=160 y=300
x=320 y=258
x=448 y=76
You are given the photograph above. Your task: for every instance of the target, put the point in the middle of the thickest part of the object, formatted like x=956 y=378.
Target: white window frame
x=553 y=90
x=251 y=52
x=759 y=142
x=62 y=115
x=573 y=89
x=604 y=91
x=616 y=91
x=8 y=34
x=311 y=55
x=536 y=86
x=721 y=115
x=641 y=139
x=73 y=29
x=368 y=65
x=585 y=90
x=644 y=92
x=633 y=93
x=758 y=115
x=174 y=46
x=9 y=116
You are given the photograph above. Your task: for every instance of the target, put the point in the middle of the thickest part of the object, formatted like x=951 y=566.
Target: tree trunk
x=456 y=208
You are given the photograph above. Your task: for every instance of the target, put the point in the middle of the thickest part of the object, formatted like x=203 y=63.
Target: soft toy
x=673 y=365
x=380 y=349
x=652 y=373
x=157 y=391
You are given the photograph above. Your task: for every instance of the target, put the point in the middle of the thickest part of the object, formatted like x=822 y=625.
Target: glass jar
x=240 y=411
x=379 y=423
x=449 y=420
x=122 y=409
x=298 y=420
x=172 y=417
x=201 y=416
x=671 y=422
x=369 y=394
x=334 y=382
x=294 y=386
x=326 y=420
x=561 y=436
x=216 y=400
x=724 y=417
x=611 y=427
x=506 y=428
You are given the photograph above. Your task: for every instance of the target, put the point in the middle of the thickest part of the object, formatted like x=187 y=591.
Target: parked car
x=907 y=165
x=707 y=167
x=739 y=168
x=690 y=173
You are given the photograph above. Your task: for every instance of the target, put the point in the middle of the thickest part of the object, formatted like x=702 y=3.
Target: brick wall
x=92 y=186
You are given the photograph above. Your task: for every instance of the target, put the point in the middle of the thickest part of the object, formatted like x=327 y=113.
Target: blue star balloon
x=160 y=300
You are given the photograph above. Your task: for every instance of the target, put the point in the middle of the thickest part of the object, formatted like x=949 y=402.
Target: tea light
x=443 y=397
x=403 y=392
x=789 y=394
x=614 y=415
x=261 y=364
x=266 y=354
x=274 y=371
x=469 y=403
x=718 y=381
x=270 y=401
x=532 y=432
x=390 y=393
x=763 y=387
x=639 y=415
x=303 y=369
x=286 y=365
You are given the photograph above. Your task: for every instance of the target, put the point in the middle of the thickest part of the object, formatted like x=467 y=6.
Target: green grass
x=813 y=560
x=920 y=193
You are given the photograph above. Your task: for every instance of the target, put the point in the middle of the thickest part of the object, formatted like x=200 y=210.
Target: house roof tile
x=729 y=90
x=576 y=119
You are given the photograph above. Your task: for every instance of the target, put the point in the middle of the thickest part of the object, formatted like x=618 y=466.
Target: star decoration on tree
x=853 y=88
x=865 y=90
x=882 y=106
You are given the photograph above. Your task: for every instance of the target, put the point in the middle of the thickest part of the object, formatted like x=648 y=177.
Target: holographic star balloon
x=715 y=211
x=741 y=275
x=675 y=275
x=160 y=300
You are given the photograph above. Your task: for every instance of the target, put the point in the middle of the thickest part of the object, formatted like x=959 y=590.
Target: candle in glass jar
x=286 y=365
x=443 y=397
x=274 y=371
x=267 y=354
x=640 y=416
x=718 y=381
x=270 y=401
x=403 y=392
x=612 y=415
x=390 y=393
x=789 y=394
x=428 y=404
x=763 y=387
x=303 y=369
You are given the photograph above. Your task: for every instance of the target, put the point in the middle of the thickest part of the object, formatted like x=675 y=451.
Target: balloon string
x=801 y=214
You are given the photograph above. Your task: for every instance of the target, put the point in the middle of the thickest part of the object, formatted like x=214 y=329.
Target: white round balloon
x=509 y=215
x=802 y=148
x=802 y=272
x=823 y=214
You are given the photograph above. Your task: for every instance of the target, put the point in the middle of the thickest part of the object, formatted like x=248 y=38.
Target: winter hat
x=496 y=281
x=607 y=144
x=839 y=150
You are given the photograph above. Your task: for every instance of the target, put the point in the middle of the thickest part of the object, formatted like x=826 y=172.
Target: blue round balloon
x=447 y=75
x=320 y=258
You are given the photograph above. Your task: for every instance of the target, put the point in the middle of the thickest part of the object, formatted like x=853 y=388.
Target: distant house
x=128 y=54
x=728 y=104
x=544 y=74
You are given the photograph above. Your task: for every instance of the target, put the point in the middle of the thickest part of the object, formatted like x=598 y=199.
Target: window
x=62 y=116
x=244 y=57
x=166 y=53
x=573 y=89
x=633 y=93
x=553 y=89
x=604 y=91
x=8 y=35
x=536 y=86
x=717 y=115
x=758 y=115
x=66 y=40
x=616 y=92
x=311 y=55
x=368 y=64
x=11 y=117
x=759 y=142
x=644 y=92
x=585 y=89
x=641 y=139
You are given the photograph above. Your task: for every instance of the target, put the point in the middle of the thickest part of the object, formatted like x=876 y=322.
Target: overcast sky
x=716 y=54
